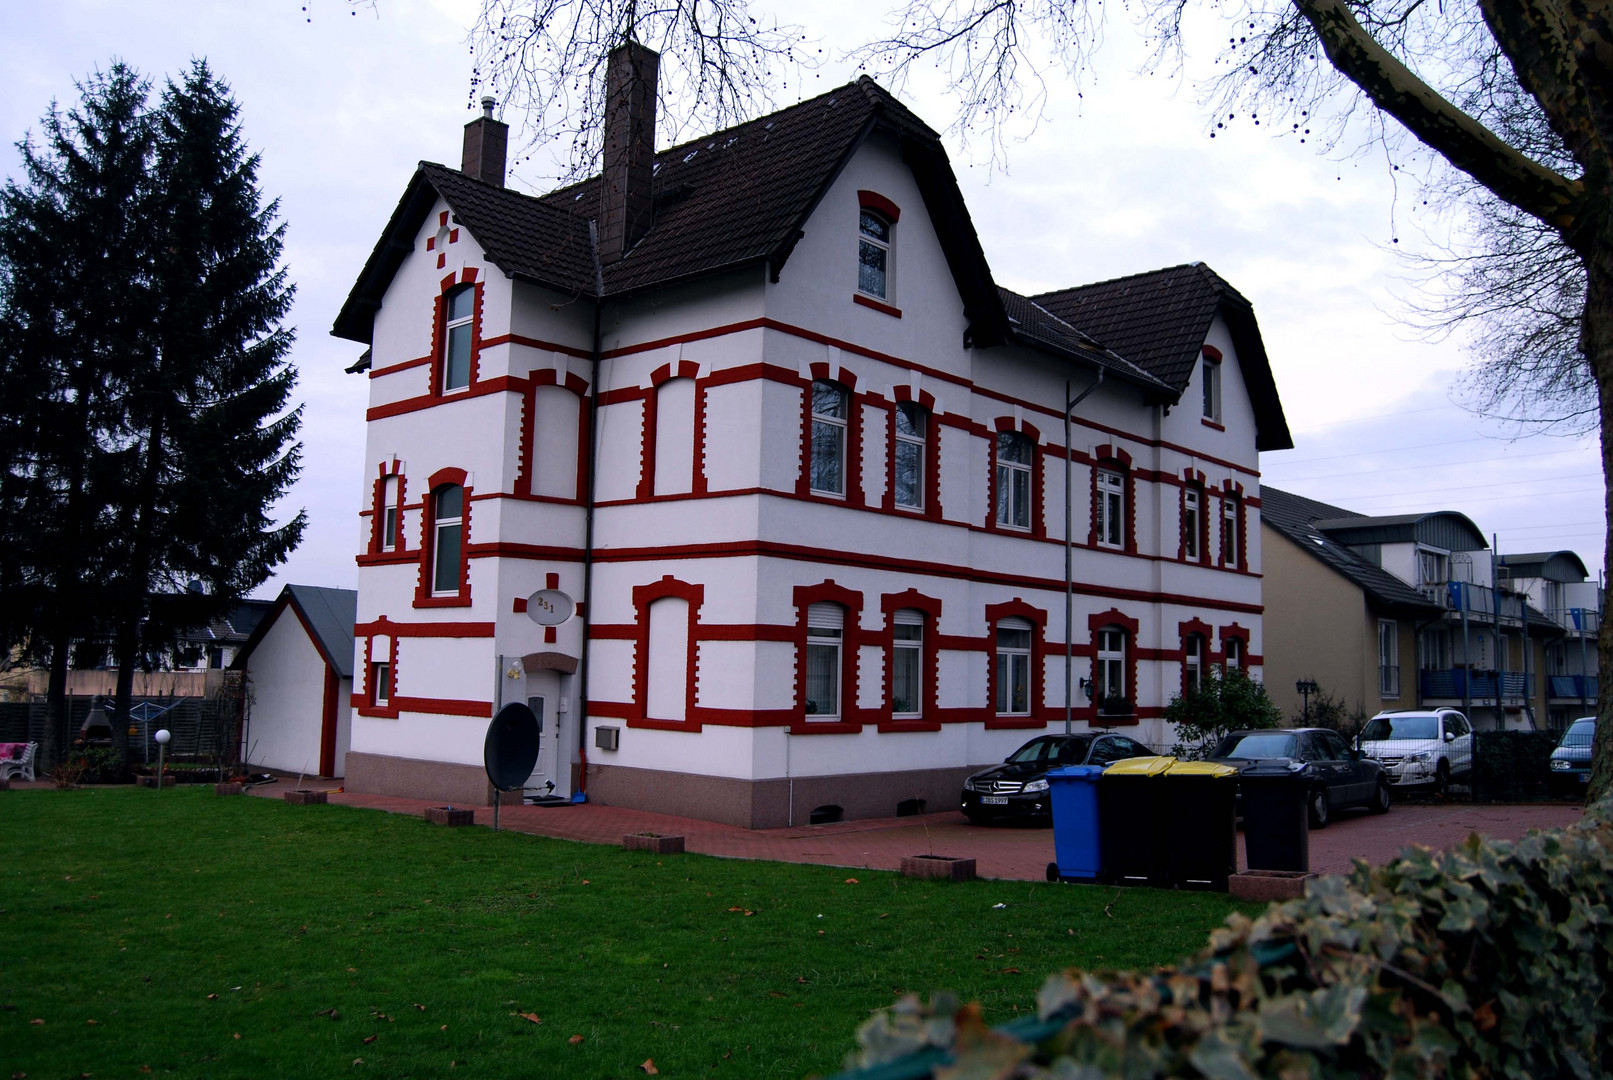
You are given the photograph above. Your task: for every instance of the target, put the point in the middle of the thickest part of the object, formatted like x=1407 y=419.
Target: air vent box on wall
x=607 y=738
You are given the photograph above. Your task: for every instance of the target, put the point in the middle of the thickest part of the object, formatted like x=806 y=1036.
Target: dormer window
x=459 y=308
x=873 y=254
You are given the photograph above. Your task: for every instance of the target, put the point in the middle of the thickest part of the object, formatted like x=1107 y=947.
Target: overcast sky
x=1121 y=179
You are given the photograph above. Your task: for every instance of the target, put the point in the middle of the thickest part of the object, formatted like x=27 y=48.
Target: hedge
x=1491 y=959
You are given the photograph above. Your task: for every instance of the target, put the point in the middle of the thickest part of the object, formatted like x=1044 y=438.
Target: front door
x=543 y=698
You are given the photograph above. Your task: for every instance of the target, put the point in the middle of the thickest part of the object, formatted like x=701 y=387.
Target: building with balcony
x=1411 y=611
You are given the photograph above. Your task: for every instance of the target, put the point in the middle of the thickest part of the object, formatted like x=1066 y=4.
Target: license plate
x=1584 y=777
x=994 y=800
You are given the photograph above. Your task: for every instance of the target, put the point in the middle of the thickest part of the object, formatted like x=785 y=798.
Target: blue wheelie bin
x=1074 y=791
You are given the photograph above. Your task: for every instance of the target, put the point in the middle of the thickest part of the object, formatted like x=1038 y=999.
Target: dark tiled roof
x=1158 y=320
x=737 y=197
x=330 y=613
x=1295 y=516
x=1031 y=324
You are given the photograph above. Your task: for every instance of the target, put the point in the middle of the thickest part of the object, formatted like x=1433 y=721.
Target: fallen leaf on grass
x=358 y=1061
x=851 y=881
x=743 y=911
x=1009 y=971
x=585 y=881
x=649 y=1067
x=443 y=1028
x=367 y=1039
x=212 y=997
x=92 y=1022
x=355 y=969
x=37 y=1023
x=774 y=993
x=534 y=1017
x=237 y=1035
x=994 y=907
x=886 y=915
x=419 y=1006
x=574 y=1040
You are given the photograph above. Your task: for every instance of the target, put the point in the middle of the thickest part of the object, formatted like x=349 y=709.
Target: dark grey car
x=1571 y=761
x=1339 y=776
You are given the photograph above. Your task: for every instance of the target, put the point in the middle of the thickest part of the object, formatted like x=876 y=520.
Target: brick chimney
x=626 y=210
x=485 y=142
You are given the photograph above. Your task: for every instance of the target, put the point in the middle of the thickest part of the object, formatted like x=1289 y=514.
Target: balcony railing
x=1457 y=683
x=1575 y=687
x=1479 y=600
x=1586 y=621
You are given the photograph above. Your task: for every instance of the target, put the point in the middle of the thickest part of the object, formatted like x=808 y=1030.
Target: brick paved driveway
x=1015 y=853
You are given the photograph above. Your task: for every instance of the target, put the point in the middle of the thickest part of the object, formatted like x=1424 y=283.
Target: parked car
x=1571 y=761
x=1339 y=776
x=1017 y=789
x=1420 y=748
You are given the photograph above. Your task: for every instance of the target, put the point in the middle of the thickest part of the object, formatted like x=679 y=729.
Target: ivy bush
x=1491 y=959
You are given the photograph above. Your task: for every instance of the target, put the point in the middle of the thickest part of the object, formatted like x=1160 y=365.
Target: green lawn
x=181 y=934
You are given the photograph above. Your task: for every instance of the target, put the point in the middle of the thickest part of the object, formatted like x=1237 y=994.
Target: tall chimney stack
x=485 y=142
x=626 y=209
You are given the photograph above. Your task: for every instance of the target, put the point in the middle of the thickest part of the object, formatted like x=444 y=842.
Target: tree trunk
x=54 y=740
x=1596 y=334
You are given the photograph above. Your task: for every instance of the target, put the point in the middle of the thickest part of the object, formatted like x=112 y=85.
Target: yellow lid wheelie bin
x=1132 y=822
x=1201 y=815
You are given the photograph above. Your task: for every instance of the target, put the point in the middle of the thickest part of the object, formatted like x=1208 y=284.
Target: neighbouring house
x=1413 y=611
x=737 y=465
x=299 y=682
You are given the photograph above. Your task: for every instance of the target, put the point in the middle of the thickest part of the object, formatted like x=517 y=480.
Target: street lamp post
x=162 y=738
x=1305 y=688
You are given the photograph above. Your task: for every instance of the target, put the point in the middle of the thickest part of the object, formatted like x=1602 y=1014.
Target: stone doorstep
x=306 y=798
x=938 y=866
x=654 y=844
x=229 y=789
x=450 y=815
x=1264 y=886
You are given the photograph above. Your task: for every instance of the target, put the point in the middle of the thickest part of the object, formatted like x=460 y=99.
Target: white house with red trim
x=756 y=405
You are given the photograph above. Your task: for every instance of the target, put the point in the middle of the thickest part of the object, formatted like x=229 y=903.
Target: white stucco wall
x=287 y=675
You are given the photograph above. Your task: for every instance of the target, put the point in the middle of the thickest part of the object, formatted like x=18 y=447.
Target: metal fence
x=200 y=728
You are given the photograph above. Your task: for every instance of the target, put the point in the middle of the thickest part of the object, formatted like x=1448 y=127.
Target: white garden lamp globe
x=162 y=737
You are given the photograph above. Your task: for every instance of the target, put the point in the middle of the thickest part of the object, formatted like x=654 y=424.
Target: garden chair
x=17 y=760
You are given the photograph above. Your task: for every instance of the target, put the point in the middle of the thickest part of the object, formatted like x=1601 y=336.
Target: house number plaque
x=550 y=607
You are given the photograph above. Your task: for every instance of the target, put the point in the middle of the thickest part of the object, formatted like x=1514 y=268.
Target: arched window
x=907 y=663
x=1192 y=522
x=1110 y=511
x=1014 y=667
x=912 y=428
x=825 y=628
x=1109 y=671
x=1014 y=458
x=667 y=694
x=459 y=309
x=1193 y=662
x=447 y=539
x=830 y=412
x=873 y=254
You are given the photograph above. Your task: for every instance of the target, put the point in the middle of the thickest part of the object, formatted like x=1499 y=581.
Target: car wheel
x=1380 y=800
x=1442 y=778
x=1320 y=811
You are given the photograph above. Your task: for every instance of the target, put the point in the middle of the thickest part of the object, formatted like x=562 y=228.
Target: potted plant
x=1115 y=706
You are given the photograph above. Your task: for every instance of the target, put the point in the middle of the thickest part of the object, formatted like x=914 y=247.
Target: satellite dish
x=550 y=607
x=511 y=750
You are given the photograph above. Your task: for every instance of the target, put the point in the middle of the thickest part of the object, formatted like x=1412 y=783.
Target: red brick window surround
x=1234 y=543
x=913 y=455
x=912 y=647
x=651 y=632
x=1016 y=479
x=831 y=448
x=456 y=333
x=444 y=579
x=876 y=249
x=1235 y=647
x=378 y=696
x=828 y=637
x=1195 y=518
x=1016 y=667
x=1196 y=636
x=386 y=509
x=1114 y=667
x=1114 y=501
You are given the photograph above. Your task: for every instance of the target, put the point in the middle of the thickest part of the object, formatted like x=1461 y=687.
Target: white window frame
x=836 y=428
x=390 y=512
x=1109 y=665
x=1192 y=522
x=884 y=247
x=825 y=637
x=1016 y=482
x=1212 y=389
x=1111 y=509
x=913 y=442
x=380 y=683
x=1231 y=515
x=438 y=525
x=450 y=326
x=1388 y=658
x=1232 y=649
x=1014 y=667
x=907 y=647
x=1193 y=657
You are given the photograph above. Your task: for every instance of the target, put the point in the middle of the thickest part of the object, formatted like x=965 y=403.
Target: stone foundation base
x=307 y=798
x=228 y=789
x=1264 y=886
x=655 y=845
x=938 y=866
x=773 y=804
x=411 y=778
